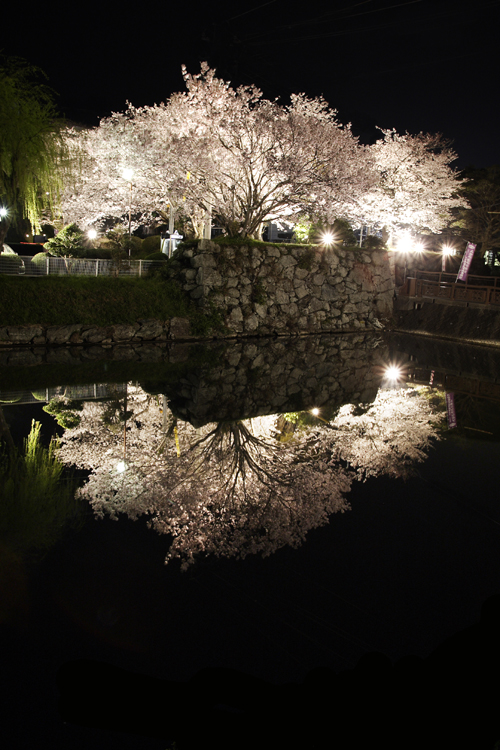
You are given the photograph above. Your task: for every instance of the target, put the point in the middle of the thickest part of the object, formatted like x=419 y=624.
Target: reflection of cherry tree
x=98 y=439
x=389 y=437
x=235 y=489
x=237 y=494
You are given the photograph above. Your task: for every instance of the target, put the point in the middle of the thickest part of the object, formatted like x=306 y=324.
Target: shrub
x=11 y=263
x=121 y=243
x=373 y=243
x=40 y=259
x=69 y=241
x=343 y=232
x=151 y=244
x=156 y=256
x=97 y=253
x=64 y=411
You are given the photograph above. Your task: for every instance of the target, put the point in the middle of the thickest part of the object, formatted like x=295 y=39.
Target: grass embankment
x=99 y=301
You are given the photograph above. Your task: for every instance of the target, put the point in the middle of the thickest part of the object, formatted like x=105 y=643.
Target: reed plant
x=37 y=497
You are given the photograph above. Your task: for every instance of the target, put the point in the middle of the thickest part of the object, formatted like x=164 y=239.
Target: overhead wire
x=425 y=18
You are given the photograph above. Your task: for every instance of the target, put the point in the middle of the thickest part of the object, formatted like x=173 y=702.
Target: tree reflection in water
x=235 y=489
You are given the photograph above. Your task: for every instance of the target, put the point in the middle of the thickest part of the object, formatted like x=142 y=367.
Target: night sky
x=416 y=65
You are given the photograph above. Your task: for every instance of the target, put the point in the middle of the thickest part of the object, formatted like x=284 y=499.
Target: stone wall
x=260 y=291
x=286 y=289
x=78 y=334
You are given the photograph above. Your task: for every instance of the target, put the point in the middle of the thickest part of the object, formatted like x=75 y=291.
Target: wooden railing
x=444 y=287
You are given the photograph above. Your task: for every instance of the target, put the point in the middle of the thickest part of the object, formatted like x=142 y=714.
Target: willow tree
x=33 y=155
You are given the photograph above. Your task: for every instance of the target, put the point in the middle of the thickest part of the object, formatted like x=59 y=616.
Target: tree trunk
x=5 y=436
x=4 y=228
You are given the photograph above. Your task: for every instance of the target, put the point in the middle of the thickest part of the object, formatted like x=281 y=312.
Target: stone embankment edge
x=443 y=337
x=150 y=330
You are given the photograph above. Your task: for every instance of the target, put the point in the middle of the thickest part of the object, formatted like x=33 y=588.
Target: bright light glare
x=393 y=373
x=127 y=174
x=447 y=250
x=3 y=211
x=121 y=466
x=92 y=234
x=315 y=411
x=418 y=247
x=405 y=243
x=327 y=238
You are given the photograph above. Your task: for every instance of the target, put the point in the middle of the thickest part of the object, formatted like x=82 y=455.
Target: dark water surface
x=405 y=572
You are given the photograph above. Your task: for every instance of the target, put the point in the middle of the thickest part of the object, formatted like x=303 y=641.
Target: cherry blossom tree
x=416 y=186
x=111 y=180
x=217 y=151
x=251 y=160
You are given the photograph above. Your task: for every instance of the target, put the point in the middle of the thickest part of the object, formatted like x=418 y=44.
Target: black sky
x=414 y=65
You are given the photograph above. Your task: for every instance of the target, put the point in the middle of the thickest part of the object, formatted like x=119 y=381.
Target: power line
x=246 y=12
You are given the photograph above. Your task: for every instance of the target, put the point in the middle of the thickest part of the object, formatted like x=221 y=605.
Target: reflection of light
x=315 y=413
x=418 y=247
x=121 y=466
x=127 y=174
x=448 y=250
x=393 y=373
x=3 y=211
x=327 y=238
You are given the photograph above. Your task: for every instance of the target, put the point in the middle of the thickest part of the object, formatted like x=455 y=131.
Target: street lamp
x=327 y=239
x=447 y=250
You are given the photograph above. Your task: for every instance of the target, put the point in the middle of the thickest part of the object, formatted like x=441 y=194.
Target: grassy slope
x=101 y=301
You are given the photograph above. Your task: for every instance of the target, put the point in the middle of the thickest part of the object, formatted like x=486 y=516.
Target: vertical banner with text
x=466 y=261
x=450 y=408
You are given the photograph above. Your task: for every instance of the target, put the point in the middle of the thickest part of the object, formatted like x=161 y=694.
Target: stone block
x=235 y=317
x=93 y=335
x=122 y=332
x=150 y=329
x=23 y=334
x=329 y=293
x=273 y=252
x=180 y=328
x=380 y=257
x=251 y=323
x=203 y=260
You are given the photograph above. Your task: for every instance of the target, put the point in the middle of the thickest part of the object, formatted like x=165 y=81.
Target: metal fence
x=89 y=392
x=21 y=265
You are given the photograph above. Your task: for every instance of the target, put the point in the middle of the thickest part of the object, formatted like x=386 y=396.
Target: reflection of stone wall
x=289 y=289
x=218 y=380
x=253 y=378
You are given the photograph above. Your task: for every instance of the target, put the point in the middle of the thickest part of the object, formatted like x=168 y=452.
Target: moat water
x=269 y=507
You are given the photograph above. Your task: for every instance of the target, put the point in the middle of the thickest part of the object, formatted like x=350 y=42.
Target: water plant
x=37 y=497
